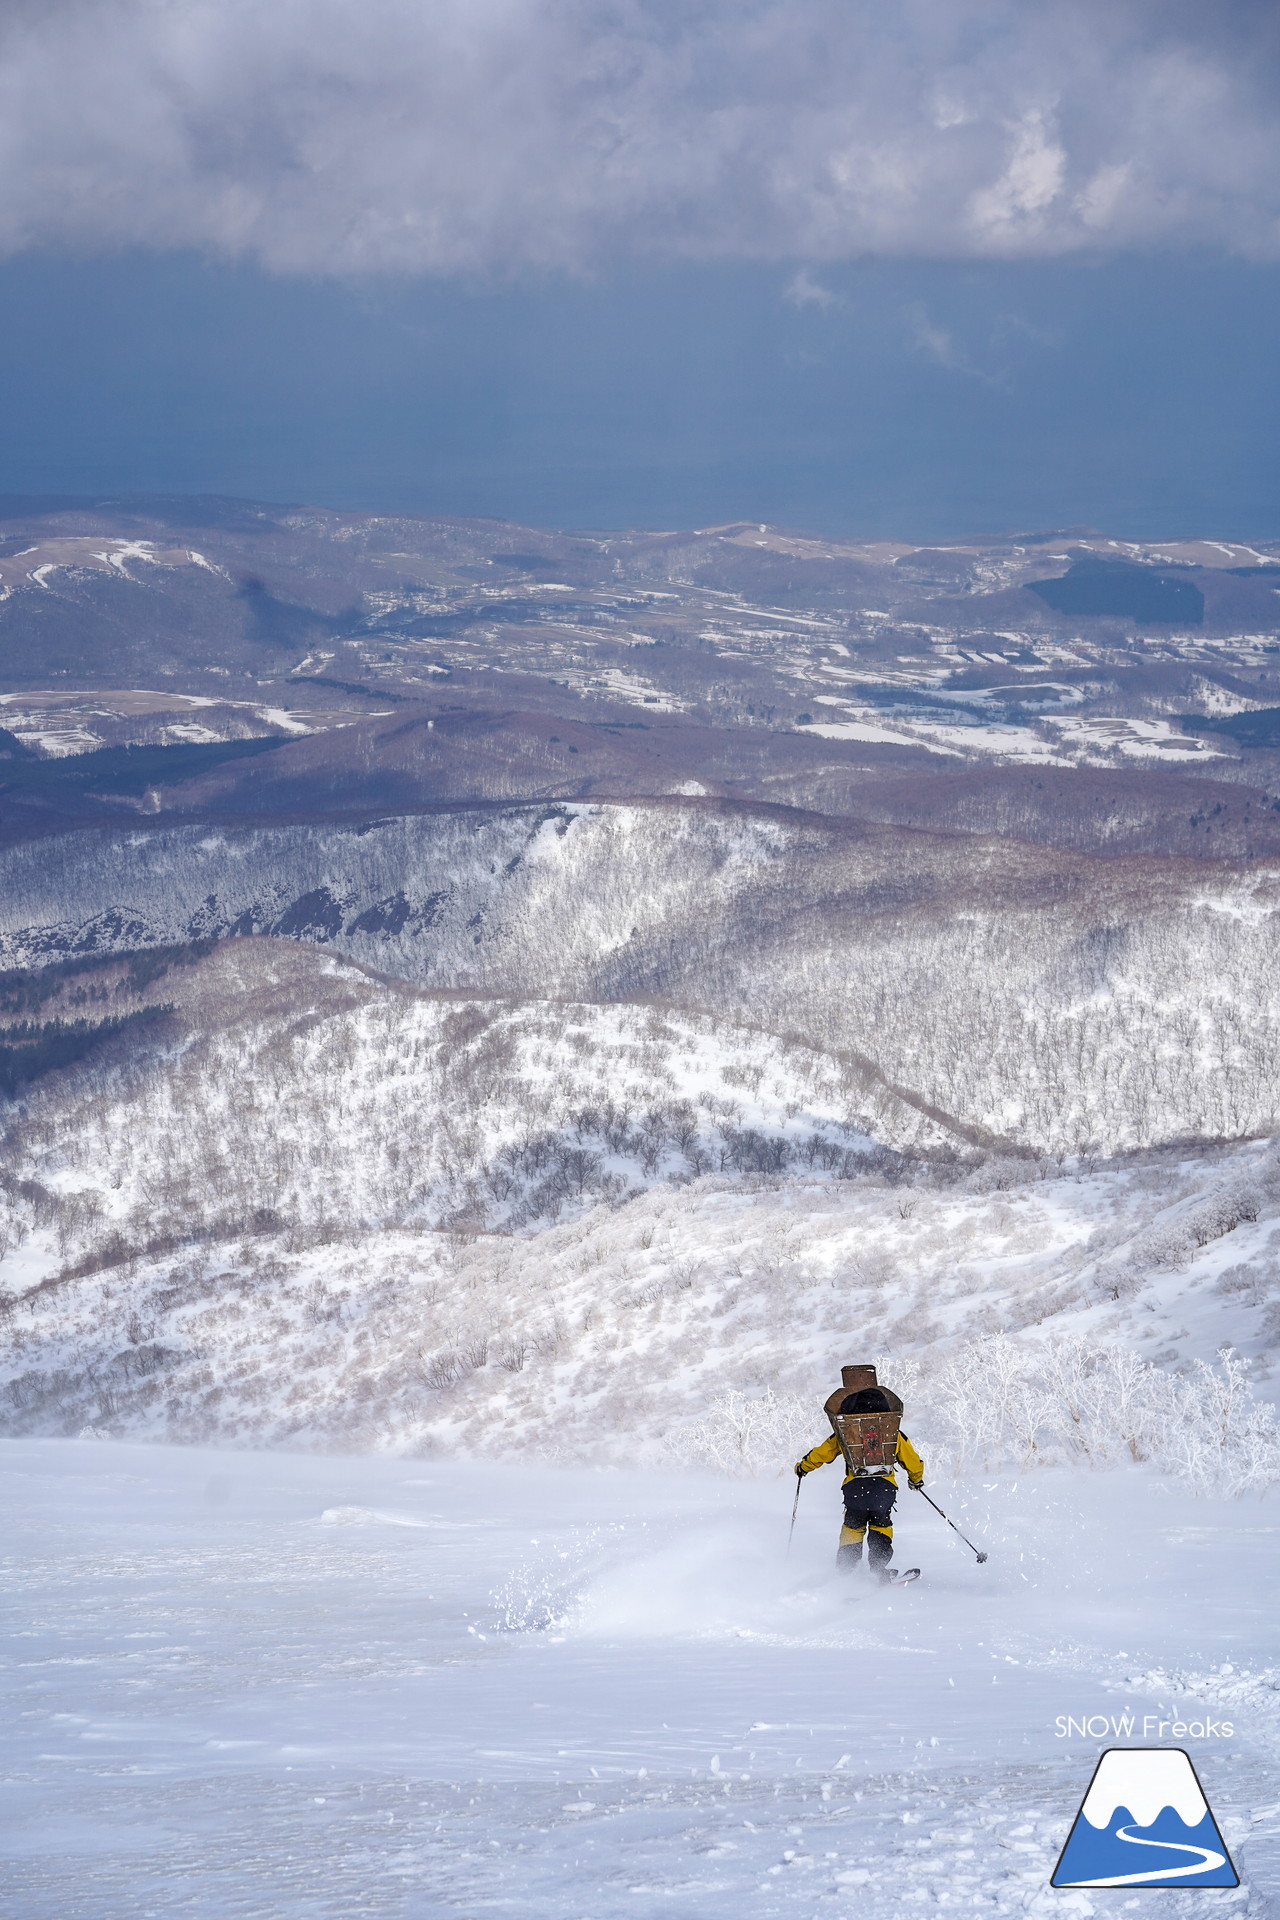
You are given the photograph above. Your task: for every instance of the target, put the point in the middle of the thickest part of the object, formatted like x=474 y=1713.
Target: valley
x=450 y=965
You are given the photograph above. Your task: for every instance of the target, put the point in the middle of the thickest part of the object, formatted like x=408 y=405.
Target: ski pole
x=951 y=1523
x=795 y=1508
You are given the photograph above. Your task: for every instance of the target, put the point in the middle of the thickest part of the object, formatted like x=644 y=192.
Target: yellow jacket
x=829 y=1449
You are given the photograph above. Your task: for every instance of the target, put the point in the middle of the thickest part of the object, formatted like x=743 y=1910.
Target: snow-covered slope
x=286 y=1687
x=301 y=1202
x=282 y=1086
x=1039 y=998
x=612 y=1332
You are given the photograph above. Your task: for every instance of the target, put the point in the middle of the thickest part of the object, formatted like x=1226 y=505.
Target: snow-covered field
x=274 y=1686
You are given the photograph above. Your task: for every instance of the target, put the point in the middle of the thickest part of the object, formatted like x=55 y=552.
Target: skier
x=865 y=1428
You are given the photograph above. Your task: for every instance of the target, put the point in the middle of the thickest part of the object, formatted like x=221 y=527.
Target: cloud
x=474 y=136
x=935 y=342
x=940 y=345
x=803 y=290
x=1011 y=341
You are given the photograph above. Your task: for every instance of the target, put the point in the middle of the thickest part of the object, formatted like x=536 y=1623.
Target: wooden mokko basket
x=868 y=1441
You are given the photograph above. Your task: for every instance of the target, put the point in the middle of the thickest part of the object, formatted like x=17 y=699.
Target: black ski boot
x=847 y=1558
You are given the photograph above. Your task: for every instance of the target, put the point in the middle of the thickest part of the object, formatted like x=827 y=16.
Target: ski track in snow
x=281 y=1686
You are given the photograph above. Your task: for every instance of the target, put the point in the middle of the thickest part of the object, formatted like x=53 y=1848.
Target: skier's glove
x=800 y=1471
x=917 y=1484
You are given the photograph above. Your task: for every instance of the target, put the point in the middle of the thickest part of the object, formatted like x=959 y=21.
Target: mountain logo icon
x=1145 y=1823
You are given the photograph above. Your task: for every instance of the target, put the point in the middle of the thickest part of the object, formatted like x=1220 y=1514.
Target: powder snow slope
x=288 y=1686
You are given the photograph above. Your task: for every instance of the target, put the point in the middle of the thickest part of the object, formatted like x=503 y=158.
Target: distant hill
x=437 y=952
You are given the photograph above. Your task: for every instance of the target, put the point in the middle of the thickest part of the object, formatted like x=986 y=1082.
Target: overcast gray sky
x=827 y=259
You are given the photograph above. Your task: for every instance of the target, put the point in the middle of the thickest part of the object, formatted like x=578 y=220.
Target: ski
x=902 y=1577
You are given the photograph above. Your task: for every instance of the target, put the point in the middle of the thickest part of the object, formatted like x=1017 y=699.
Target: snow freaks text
x=1127 y=1726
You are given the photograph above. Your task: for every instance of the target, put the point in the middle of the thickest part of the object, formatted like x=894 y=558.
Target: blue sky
x=921 y=268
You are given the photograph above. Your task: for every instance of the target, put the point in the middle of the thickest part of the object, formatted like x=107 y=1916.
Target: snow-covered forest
x=1018 y=995
x=307 y=1205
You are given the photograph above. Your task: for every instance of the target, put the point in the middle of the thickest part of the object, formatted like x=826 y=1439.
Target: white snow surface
x=285 y=1687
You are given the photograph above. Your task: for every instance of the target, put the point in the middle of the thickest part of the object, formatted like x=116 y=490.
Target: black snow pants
x=868 y=1510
